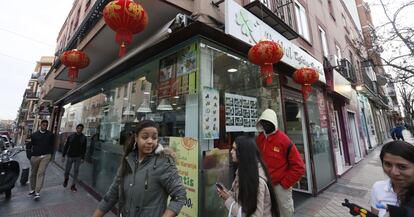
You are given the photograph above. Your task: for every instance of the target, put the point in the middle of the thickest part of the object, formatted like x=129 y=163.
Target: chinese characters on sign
x=211 y=113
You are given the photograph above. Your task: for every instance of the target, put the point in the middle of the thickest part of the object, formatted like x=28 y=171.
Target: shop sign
x=186 y=150
x=241 y=113
x=245 y=26
x=342 y=85
x=211 y=113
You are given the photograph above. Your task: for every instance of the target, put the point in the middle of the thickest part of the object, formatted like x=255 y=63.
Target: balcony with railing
x=31 y=96
x=347 y=70
x=371 y=85
x=276 y=13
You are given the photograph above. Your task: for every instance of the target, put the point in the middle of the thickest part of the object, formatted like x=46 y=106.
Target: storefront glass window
x=238 y=85
x=318 y=126
x=242 y=95
x=162 y=90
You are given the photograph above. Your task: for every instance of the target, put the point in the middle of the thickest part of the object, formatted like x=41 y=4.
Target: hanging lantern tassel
x=266 y=72
x=122 y=50
x=306 y=89
x=73 y=74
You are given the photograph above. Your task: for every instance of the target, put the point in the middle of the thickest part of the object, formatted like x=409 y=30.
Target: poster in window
x=167 y=78
x=241 y=113
x=210 y=113
x=187 y=60
x=186 y=150
x=167 y=68
x=186 y=74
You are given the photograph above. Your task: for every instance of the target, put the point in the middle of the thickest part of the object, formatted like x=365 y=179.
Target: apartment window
x=118 y=92
x=338 y=55
x=323 y=41
x=126 y=90
x=344 y=22
x=302 y=21
x=134 y=87
x=88 y=3
x=331 y=10
x=265 y=2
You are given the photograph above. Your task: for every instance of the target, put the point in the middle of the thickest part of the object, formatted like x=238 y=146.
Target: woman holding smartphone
x=251 y=179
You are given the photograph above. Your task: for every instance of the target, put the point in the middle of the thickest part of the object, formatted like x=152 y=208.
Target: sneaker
x=65 y=183
x=31 y=194
x=37 y=196
x=73 y=188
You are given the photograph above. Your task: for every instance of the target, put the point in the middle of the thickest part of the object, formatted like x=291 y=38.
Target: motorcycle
x=9 y=171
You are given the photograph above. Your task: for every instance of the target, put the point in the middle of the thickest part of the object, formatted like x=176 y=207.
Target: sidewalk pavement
x=355 y=185
x=55 y=201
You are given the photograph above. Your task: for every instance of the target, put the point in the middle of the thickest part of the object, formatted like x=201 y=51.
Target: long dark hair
x=248 y=159
x=406 y=151
x=124 y=168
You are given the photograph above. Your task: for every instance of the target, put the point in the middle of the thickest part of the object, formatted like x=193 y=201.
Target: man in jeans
x=282 y=159
x=75 y=148
x=40 y=149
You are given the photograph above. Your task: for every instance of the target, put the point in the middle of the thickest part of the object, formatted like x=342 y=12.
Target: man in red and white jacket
x=282 y=159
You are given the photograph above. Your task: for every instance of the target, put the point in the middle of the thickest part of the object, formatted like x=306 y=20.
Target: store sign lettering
x=245 y=26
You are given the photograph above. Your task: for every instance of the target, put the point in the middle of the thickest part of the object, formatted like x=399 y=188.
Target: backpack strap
x=288 y=151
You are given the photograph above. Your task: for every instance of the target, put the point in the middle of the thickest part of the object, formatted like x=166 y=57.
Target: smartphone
x=220 y=186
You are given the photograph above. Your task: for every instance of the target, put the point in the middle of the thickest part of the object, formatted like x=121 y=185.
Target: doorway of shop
x=339 y=146
x=354 y=135
x=295 y=128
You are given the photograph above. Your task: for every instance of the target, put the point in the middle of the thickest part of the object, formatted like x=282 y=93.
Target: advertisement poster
x=322 y=109
x=241 y=113
x=211 y=113
x=178 y=73
x=168 y=67
x=187 y=60
x=186 y=150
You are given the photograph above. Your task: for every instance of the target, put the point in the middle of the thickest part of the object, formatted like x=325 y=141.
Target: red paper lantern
x=306 y=77
x=126 y=18
x=265 y=54
x=74 y=60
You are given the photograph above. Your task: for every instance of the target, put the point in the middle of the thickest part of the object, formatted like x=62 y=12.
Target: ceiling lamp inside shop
x=164 y=105
x=128 y=111
x=306 y=77
x=126 y=18
x=74 y=60
x=265 y=54
x=144 y=107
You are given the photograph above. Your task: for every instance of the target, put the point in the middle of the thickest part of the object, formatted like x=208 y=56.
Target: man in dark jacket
x=282 y=159
x=75 y=148
x=41 y=148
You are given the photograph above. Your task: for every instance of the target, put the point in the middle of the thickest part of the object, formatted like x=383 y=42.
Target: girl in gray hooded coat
x=145 y=179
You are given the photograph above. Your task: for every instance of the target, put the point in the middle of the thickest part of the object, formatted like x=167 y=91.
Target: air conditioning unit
x=347 y=69
x=333 y=60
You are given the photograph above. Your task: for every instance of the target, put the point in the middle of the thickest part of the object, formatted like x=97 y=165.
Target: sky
x=28 y=30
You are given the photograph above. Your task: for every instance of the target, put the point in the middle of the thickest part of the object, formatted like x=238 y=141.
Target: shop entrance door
x=296 y=130
x=339 y=146
x=354 y=136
